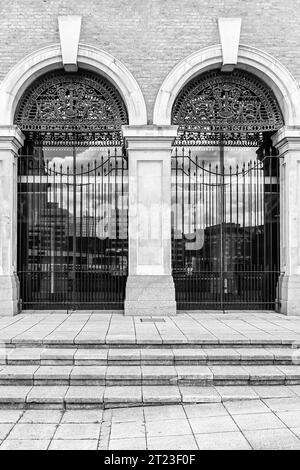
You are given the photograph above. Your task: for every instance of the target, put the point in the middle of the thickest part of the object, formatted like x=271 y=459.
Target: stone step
x=150 y=356
x=64 y=397
x=95 y=341
x=149 y=375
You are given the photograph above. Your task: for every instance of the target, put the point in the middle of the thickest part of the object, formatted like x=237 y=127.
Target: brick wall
x=150 y=36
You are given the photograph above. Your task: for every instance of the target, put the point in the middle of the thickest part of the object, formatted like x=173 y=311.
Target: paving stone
x=123 y=415
x=73 y=444
x=246 y=407
x=124 y=354
x=272 y=439
x=236 y=393
x=14 y=394
x=169 y=412
x=295 y=389
x=296 y=431
x=123 y=373
x=283 y=404
x=175 y=339
x=18 y=444
x=82 y=416
x=78 y=394
x=265 y=373
x=136 y=443
x=161 y=394
x=158 y=372
x=157 y=355
x=189 y=354
x=222 y=354
x=126 y=394
x=167 y=427
x=258 y=354
x=5 y=429
x=222 y=441
x=14 y=373
x=291 y=372
x=23 y=355
x=62 y=339
x=32 y=431
x=90 y=357
x=60 y=374
x=96 y=337
x=199 y=373
x=41 y=416
x=121 y=338
x=104 y=436
x=295 y=356
x=290 y=418
x=127 y=430
x=77 y=431
x=263 y=339
x=10 y=416
x=255 y=421
x=204 y=410
x=194 y=394
x=47 y=394
x=88 y=374
x=56 y=355
x=172 y=442
x=209 y=424
x=281 y=354
x=229 y=373
x=273 y=391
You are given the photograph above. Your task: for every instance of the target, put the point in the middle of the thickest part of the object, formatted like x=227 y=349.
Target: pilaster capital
x=11 y=138
x=149 y=136
x=287 y=139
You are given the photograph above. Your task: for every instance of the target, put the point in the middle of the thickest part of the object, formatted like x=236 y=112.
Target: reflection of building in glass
x=53 y=231
x=237 y=248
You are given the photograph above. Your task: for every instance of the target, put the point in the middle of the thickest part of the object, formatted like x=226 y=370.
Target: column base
x=150 y=296
x=9 y=295
x=288 y=301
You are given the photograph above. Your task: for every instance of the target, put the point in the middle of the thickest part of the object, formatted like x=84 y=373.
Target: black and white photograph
x=149 y=228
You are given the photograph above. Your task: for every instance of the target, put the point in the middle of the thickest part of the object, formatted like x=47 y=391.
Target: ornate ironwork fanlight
x=72 y=107
x=234 y=108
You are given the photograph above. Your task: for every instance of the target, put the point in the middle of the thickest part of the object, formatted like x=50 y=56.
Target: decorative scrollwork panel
x=72 y=103
x=227 y=104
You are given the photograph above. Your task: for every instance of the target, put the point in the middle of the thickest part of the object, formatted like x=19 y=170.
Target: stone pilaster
x=287 y=141
x=11 y=139
x=150 y=287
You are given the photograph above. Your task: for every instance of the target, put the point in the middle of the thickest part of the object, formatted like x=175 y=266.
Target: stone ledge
x=73 y=397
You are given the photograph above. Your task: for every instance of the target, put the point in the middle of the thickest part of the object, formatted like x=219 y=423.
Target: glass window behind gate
x=225 y=227
x=72 y=222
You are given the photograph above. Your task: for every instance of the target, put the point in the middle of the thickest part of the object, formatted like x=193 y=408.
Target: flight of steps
x=61 y=375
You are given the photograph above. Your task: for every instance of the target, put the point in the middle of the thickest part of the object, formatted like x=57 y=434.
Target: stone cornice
x=11 y=138
x=287 y=139
x=149 y=136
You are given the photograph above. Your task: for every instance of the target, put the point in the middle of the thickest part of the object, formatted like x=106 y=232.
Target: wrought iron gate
x=72 y=193
x=225 y=227
x=72 y=228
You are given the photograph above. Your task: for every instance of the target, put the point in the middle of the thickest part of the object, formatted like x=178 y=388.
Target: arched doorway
x=72 y=193
x=225 y=193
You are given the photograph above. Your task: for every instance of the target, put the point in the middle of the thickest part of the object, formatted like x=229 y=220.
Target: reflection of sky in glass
x=96 y=194
x=201 y=197
x=62 y=158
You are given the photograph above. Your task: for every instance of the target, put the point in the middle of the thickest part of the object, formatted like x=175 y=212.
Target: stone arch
x=259 y=63
x=91 y=58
